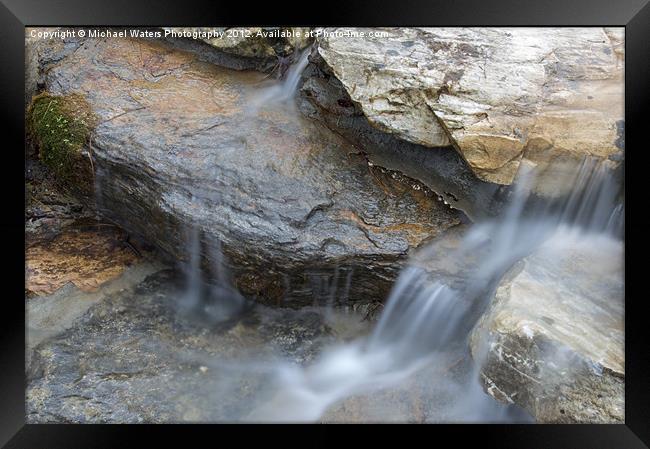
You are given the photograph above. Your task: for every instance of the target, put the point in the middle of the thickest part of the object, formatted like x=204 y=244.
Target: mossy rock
x=60 y=126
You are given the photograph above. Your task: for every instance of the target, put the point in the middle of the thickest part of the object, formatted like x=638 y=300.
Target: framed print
x=413 y=214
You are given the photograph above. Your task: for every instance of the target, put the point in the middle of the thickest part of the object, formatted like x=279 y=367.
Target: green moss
x=60 y=126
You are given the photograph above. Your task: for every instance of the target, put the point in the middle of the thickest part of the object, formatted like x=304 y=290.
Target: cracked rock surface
x=292 y=204
x=499 y=95
x=444 y=170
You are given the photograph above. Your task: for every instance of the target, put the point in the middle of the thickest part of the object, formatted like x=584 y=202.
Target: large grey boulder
x=297 y=212
x=498 y=95
x=552 y=340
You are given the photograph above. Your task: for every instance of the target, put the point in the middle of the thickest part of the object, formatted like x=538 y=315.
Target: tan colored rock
x=85 y=258
x=496 y=94
x=552 y=340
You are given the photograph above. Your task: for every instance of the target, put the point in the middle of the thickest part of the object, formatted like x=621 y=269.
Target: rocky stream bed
x=298 y=179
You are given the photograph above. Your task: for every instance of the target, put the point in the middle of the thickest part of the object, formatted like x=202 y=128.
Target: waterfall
x=210 y=297
x=281 y=92
x=428 y=316
x=425 y=314
x=292 y=78
x=214 y=296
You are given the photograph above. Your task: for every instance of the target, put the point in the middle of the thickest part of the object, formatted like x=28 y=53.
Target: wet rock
x=498 y=95
x=534 y=351
x=178 y=146
x=454 y=397
x=132 y=357
x=66 y=242
x=444 y=171
x=86 y=257
x=257 y=48
x=51 y=314
x=48 y=209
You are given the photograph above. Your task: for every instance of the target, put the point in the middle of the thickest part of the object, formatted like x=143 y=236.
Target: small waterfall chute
x=428 y=317
x=281 y=92
x=209 y=296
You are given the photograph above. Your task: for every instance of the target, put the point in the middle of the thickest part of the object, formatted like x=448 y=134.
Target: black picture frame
x=16 y=14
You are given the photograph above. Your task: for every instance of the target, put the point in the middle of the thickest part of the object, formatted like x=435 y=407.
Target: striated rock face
x=86 y=258
x=498 y=95
x=444 y=170
x=241 y=48
x=296 y=210
x=537 y=354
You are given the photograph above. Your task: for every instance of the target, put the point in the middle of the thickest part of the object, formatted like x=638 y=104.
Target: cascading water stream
x=428 y=315
x=218 y=299
x=284 y=91
x=428 y=318
x=214 y=300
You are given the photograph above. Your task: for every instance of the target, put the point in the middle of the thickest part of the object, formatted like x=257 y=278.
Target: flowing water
x=420 y=341
x=412 y=365
x=278 y=93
